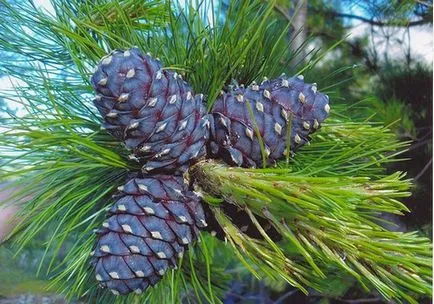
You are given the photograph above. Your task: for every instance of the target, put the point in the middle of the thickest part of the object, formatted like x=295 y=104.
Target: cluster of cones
x=155 y=113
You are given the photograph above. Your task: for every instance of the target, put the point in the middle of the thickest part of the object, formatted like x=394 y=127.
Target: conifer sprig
x=347 y=147
x=329 y=221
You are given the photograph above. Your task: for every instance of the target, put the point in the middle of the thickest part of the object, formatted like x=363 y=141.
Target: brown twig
x=423 y=170
x=375 y=22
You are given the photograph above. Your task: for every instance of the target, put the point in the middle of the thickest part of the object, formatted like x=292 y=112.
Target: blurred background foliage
x=378 y=67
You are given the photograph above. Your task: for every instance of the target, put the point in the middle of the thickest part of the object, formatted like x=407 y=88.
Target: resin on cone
x=280 y=113
x=148 y=228
x=152 y=110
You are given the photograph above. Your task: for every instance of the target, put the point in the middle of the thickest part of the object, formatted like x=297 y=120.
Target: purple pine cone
x=152 y=110
x=275 y=105
x=146 y=230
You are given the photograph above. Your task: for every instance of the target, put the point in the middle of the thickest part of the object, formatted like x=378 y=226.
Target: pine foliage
x=325 y=200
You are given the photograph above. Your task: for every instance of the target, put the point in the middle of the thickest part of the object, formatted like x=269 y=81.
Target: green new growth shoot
x=331 y=222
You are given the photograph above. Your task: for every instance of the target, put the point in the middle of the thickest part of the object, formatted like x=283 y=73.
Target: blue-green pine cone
x=152 y=110
x=148 y=228
x=268 y=109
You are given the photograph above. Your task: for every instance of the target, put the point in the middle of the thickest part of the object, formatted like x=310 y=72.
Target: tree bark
x=299 y=26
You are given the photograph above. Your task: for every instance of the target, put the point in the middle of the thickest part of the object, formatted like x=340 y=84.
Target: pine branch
x=59 y=157
x=407 y=23
x=56 y=151
x=330 y=221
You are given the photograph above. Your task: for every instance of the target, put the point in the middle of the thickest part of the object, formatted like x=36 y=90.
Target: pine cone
x=274 y=104
x=149 y=226
x=152 y=110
